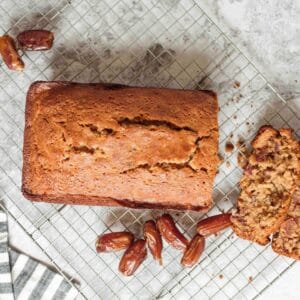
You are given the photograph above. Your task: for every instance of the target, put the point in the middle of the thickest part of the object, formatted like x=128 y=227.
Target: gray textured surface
x=151 y=43
x=269 y=33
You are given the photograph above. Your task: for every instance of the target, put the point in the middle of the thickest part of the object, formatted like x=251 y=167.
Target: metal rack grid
x=144 y=43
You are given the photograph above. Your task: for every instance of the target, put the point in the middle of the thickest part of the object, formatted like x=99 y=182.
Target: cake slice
x=287 y=240
x=269 y=177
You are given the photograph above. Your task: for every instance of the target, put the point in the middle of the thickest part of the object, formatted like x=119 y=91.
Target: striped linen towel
x=22 y=277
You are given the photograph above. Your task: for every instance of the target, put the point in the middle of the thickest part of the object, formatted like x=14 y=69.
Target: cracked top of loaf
x=101 y=144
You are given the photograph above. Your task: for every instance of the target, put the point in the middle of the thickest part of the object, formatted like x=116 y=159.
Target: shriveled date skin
x=213 y=224
x=114 y=241
x=133 y=257
x=193 y=251
x=9 y=54
x=36 y=40
x=170 y=232
x=153 y=240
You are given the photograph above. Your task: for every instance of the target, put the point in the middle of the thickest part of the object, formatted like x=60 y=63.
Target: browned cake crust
x=287 y=240
x=101 y=144
x=269 y=177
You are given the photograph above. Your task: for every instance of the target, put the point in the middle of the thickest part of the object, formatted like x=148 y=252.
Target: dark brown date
x=214 y=224
x=153 y=240
x=133 y=257
x=193 y=251
x=170 y=232
x=35 y=40
x=9 y=53
x=114 y=241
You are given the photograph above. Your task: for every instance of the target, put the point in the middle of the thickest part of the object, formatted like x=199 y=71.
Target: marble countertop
x=268 y=32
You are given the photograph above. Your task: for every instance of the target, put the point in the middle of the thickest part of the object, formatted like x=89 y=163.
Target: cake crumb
x=242 y=160
x=241 y=144
x=250 y=279
x=243 y=149
x=235 y=117
x=236 y=84
x=229 y=147
x=236 y=98
x=228 y=164
x=221 y=276
x=221 y=158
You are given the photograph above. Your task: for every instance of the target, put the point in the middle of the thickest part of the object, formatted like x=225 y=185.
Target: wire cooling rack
x=167 y=43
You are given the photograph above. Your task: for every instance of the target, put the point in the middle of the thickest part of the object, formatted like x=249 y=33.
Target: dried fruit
x=133 y=257
x=170 y=232
x=114 y=241
x=214 y=224
x=153 y=240
x=9 y=53
x=35 y=39
x=193 y=251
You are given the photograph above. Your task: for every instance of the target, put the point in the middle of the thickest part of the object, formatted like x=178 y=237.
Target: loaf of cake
x=287 y=240
x=269 y=179
x=102 y=144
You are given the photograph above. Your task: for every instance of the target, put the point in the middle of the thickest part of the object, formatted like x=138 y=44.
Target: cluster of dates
x=136 y=251
x=32 y=40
